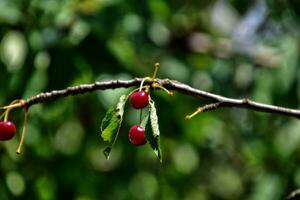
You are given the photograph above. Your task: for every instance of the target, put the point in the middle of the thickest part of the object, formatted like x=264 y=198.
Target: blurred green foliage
x=224 y=154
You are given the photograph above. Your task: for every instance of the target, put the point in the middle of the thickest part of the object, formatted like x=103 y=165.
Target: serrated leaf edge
x=155 y=129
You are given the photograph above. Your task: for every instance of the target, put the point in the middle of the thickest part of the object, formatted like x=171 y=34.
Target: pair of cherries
x=7 y=130
x=138 y=100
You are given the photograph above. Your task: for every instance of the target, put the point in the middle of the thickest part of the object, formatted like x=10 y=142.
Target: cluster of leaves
x=112 y=121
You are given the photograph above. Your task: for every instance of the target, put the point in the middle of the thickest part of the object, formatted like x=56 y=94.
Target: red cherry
x=139 y=99
x=137 y=135
x=7 y=130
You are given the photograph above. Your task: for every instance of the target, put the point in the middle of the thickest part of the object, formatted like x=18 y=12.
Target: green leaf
x=111 y=124
x=108 y=116
x=154 y=119
x=153 y=138
x=111 y=129
x=145 y=120
x=107 y=151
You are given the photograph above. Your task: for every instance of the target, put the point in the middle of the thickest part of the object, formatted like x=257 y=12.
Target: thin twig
x=205 y=108
x=169 y=84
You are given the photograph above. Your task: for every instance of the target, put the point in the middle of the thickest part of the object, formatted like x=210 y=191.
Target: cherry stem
x=156 y=65
x=141 y=115
x=156 y=85
x=15 y=104
x=6 y=114
x=141 y=85
x=19 y=148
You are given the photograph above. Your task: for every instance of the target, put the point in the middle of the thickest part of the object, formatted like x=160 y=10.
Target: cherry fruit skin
x=7 y=130
x=137 y=135
x=139 y=99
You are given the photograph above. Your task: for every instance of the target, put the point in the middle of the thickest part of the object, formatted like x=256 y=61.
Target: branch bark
x=219 y=101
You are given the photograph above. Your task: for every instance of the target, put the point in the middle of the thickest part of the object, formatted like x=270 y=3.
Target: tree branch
x=294 y=195
x=219 y=101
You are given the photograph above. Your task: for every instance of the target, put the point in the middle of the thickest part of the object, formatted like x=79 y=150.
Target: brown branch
x=294 y=195
x=219 y=101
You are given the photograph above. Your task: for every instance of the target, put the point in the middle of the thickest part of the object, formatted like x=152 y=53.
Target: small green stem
x=19 y=148
x=6 y=115
x=156 y=65
x=141 y=115
x=15 y=104
x=141 y=86
x=199 y=110
x=156 y=85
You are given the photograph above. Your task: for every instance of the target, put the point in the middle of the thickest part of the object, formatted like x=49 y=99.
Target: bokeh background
x=236 y=48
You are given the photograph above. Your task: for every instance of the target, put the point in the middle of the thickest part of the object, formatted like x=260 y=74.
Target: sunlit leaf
x=108 y=117
x=111 y=124
x=111 y=130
